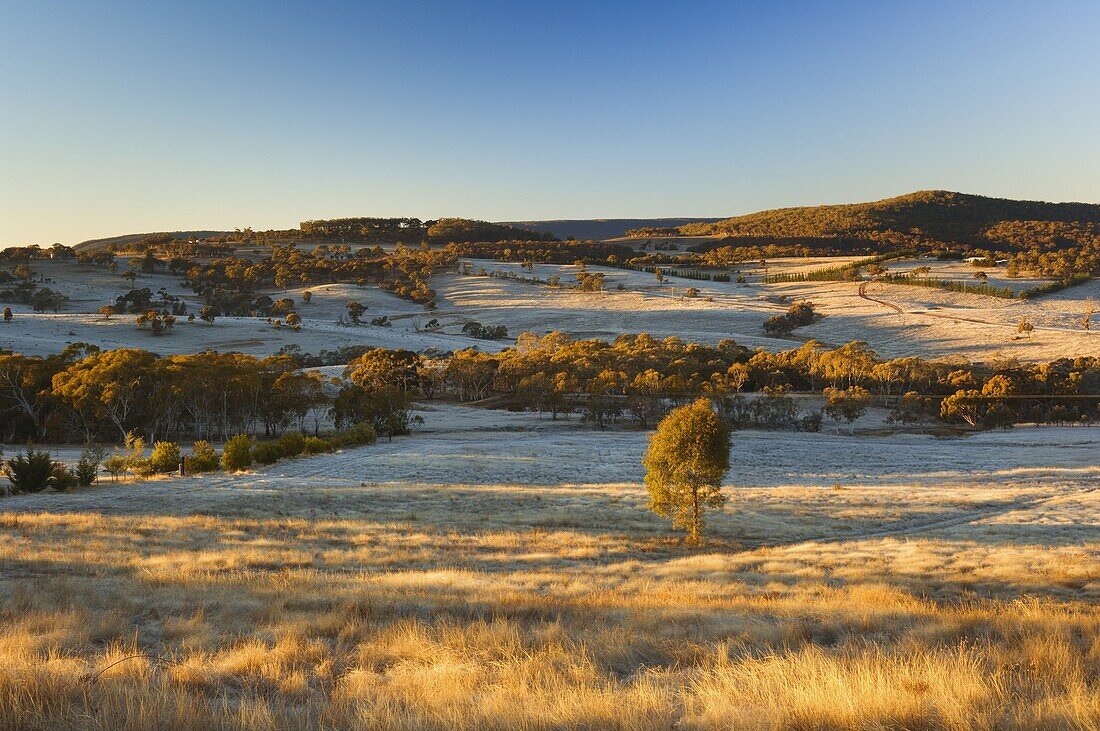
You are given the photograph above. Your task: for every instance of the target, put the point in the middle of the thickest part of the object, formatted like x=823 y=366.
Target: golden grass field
x=309 y=600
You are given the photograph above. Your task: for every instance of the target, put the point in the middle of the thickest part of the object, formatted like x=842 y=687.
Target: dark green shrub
x=267 y=452
x=237 y=454
x=315 y=445
x=360 y=433
x=85 y=473
x=29 y=472
x=62 y=478
x=203 y=457
x=165 y=457
x=87 y=469
x=292 y=443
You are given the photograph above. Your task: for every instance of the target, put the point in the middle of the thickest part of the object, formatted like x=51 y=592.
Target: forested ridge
x=938 y=214
x=357 y=230
x=1047 y=239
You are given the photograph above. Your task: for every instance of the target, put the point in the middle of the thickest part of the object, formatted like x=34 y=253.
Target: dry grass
x=391 y=606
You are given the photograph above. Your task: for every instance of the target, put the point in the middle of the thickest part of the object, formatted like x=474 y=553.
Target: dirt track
x=864 y=295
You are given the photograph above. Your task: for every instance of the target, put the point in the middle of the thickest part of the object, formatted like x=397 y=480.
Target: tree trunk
x=693 y=535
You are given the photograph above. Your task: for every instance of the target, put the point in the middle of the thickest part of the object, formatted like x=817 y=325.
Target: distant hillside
x=936 y=214
x=126 y=239
x=928 y=216
x=598 y=229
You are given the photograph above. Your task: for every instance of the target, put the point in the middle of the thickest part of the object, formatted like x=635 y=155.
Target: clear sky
x=120 y=117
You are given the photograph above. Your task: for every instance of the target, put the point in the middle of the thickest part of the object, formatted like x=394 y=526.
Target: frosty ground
x=895 y=320
x=497 y=570
x=500 y=570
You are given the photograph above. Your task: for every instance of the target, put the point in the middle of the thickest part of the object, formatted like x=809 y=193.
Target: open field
x=33 y=333
x=496 y=570
x=895 y=319
x=931 y=323
x=501 y=570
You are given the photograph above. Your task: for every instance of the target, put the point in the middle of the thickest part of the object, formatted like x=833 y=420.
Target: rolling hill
x=930 y=215
x=937 y=214
x=125 y=239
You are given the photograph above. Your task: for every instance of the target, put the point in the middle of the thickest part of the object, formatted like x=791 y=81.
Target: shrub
x=29 y=472
x=811 y=422
x=483 y=332
x=203 y=458
x=360 y=433
x=87 y=469
x=142 y=467
x=165 y=457
x=292 y=443
x=115 y=465
x=135 y=455
x=267 y=452
x=85 y=472
x=356 y=435
x=237 y=454
x=779 y=325
x=61 y=477
x=799 y=314
x=315 y=445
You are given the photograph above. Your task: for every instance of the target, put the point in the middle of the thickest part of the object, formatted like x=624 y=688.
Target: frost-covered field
x=88 y=288
x=896 y=320
x=494 y=570
x=932 y=323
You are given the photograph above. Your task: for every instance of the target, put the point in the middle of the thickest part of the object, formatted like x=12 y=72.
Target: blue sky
x=121 y=117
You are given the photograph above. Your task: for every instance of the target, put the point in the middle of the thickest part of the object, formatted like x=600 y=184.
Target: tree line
x=637 y=378
x=86 y=395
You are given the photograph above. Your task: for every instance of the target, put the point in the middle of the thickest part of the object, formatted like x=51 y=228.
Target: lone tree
x=355 y=311
x=687 y=458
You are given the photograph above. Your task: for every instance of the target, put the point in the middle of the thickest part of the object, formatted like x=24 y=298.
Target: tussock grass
x=410 y=616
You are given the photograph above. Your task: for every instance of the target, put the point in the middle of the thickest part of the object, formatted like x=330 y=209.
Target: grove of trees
x=83 y=394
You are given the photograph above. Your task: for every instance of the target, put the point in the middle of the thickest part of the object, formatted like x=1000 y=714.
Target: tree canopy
x=687 y=459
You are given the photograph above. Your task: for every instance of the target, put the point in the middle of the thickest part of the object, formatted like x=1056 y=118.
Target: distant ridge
x=940 y=214
x=125 y=239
